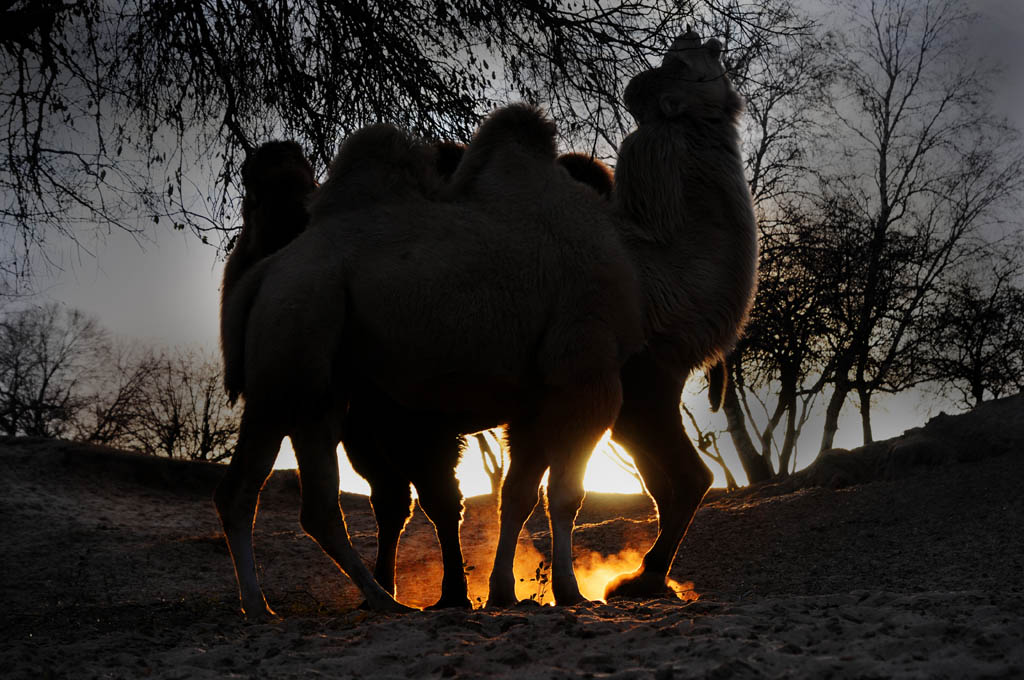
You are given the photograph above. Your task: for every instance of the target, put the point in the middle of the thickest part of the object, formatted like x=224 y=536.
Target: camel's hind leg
x=433 y=473
x=237 y=497
x=519 y=494
x=563 y=435
x=570 y=444
x=390 y=495
x=317 y=457
x=651 y=428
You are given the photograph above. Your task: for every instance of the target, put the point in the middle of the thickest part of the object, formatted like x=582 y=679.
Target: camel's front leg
x=518 y=498
x=570 y=424
x=236 y=499
x=322 y=519
x=651 y=428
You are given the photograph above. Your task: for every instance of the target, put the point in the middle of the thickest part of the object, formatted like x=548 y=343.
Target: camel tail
x=718 y=379
x=236 y=304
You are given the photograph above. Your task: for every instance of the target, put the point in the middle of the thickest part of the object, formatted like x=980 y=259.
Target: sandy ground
x=904 y=559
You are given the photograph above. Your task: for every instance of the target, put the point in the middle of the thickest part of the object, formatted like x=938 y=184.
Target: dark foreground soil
x=906 y=562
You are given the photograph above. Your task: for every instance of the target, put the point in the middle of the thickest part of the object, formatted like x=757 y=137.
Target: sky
x=165 y=290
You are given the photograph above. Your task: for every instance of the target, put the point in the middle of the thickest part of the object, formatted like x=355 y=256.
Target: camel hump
x=376 y=164
x=510 y=148
x=521 y=125
x=588 y=170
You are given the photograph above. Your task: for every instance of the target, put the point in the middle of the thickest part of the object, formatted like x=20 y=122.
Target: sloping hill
x=113 y=566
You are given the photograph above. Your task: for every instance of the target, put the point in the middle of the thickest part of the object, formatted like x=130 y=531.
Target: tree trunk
x=790 y=440
x=756 y=467
x=865 y=415
x=978 y=392
x=835 y=406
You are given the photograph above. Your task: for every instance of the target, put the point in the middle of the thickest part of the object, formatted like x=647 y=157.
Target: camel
x=511 y=295
x=685 y=215
x=279 y=180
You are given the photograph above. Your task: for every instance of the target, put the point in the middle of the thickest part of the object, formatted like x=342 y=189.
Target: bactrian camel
x=278 y=180
x=512 y=295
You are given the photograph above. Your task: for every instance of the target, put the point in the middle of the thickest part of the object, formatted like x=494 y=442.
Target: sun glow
x=606 y=472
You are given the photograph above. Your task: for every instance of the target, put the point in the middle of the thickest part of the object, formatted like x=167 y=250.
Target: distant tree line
x=62 y=375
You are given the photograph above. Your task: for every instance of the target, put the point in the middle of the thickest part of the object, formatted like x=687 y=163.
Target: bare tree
x=624 y=461
x=924 y=164
x=183 y=412
x=707 y=443
x=784 y=82
x=117 y=393
x=493 y=457
x=110 y=109
x=974 y=334
x=48 y=354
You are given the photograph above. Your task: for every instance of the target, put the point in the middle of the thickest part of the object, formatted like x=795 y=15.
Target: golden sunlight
x=608 y=471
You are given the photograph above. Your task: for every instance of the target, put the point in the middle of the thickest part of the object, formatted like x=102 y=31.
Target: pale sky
x=166 y=291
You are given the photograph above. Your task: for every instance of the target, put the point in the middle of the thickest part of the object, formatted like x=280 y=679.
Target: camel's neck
x=668 y=172
x=690 y=224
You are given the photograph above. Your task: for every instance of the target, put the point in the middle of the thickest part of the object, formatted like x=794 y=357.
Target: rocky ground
x=901 y=559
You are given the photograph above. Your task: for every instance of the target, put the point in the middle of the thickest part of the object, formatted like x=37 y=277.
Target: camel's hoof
x=263 y=614
x=498 y=602
x=395 y=607
x=638 y=584
x=450 y=603
x=570 y=599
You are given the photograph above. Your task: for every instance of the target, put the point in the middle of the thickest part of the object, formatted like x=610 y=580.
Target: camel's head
x=691 y=82
x=277 y=179
x=275 y=169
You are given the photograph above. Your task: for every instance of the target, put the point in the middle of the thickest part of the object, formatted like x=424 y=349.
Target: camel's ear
x=671 y=105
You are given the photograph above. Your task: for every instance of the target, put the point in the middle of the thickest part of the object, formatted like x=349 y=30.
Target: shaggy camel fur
x=512 y=295
x=278 y=181
x=389 y=467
